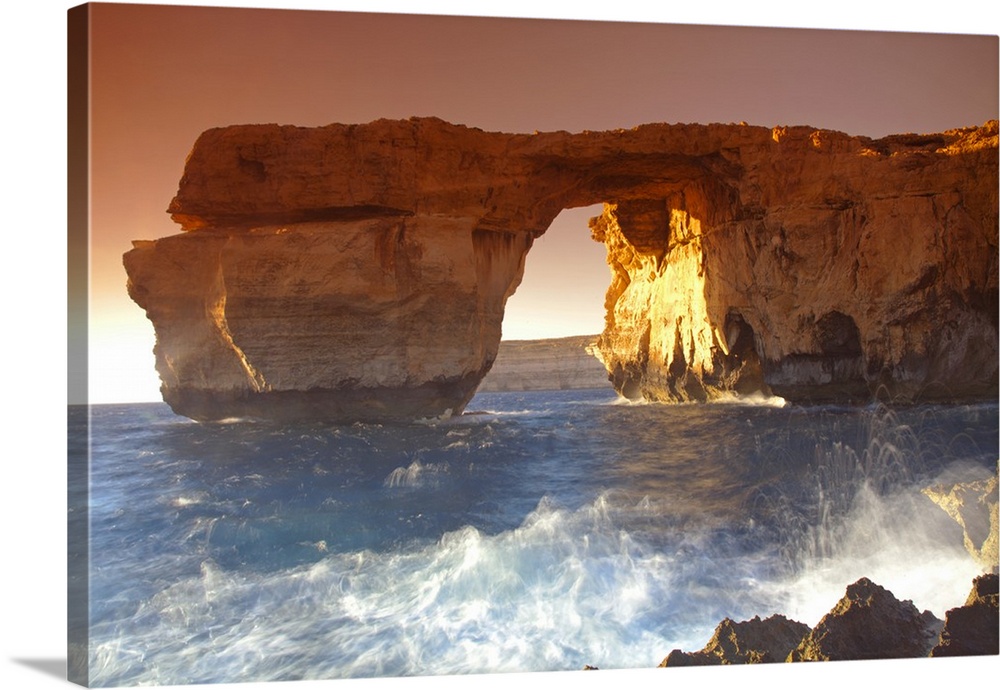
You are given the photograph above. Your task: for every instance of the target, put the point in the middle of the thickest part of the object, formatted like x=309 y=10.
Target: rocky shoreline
x=869 y=622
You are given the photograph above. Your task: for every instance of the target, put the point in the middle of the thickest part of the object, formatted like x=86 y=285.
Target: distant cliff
x=547 y=364
x=360 y=272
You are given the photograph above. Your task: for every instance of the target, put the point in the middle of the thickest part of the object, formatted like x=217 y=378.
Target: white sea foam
x=902 y=542
x=615 y=580
x=752 y=399
x=566 y=588
x=622 y=401
x=183 y=501
x=473 y=414
x=413 y=474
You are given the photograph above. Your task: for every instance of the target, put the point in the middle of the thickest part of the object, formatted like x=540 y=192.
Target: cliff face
x=549 y=364
x=361 y=272
x=836 y=269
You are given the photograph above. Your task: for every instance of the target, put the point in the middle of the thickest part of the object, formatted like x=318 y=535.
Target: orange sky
x=163 y=74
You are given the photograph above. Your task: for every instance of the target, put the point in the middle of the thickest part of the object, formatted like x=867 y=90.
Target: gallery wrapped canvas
x=433 y=346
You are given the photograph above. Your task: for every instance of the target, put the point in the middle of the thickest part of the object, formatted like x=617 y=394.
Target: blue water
x=539 y=531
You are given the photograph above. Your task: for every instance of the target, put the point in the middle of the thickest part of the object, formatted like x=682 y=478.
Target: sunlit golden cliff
x=361 y=271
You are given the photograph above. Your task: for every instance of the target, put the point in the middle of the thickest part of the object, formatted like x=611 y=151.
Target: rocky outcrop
x=754 y=641
x=972 y=629
x=838 y=281
x=869 y=623
x=547 y=364
x=361 y=271
x=973 y=505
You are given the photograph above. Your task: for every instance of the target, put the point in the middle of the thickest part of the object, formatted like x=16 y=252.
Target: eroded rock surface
x=754 y=641
x=972 y=629
x=973 y=505
x=361 y=271
x=869 y=623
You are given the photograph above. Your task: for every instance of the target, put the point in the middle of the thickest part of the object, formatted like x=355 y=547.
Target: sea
x=538 y=531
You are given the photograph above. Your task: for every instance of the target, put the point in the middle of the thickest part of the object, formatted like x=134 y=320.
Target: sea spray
x=870 y=519
x=565 y=589
x=569 y=531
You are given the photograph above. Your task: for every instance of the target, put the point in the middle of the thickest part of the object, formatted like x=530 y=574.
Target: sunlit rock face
x=830 y=268
x=360 y=272
x=974 y=506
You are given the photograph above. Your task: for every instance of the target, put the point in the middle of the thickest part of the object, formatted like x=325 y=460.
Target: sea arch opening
x=556 y=314
x=666 y=331
x=564 y=282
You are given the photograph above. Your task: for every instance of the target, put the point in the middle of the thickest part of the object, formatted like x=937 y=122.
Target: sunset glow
x=161 y=75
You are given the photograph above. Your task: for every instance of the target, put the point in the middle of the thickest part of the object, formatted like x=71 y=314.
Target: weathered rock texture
x=972 y=629
x=754 y=641
x=361 y=271
x=546 y=364
x=973 y=505
x=869 y=623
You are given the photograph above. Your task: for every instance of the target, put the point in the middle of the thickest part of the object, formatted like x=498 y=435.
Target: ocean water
x=538 y=531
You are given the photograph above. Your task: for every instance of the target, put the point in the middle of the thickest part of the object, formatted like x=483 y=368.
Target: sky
x=161 y=112
x=160 y=75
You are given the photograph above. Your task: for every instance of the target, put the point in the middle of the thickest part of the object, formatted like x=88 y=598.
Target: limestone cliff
x=974 y=506
x=547 y=364
x=361 y=271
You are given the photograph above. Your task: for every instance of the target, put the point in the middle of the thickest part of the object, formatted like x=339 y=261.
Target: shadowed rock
x=869 y=623
x=971 y=629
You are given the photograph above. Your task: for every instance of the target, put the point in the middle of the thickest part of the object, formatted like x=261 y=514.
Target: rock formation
x=358 y=272
x=548 y=364
x=869 y=623
x=973 y=505
x=754 y=641
x=972 y=629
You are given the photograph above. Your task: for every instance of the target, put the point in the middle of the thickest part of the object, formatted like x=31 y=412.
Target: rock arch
x=361 y=271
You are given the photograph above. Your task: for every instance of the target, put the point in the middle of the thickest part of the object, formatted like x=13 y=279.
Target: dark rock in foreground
x=869 y=623
x=754 y=641
x=971 y=630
